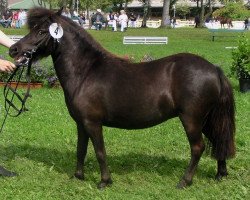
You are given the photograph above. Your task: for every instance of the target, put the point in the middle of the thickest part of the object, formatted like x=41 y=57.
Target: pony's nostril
x=13 y=50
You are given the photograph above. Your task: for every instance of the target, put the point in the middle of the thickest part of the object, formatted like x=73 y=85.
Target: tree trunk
x=73 y=3
x=126 y=5
x=87 y=14
x=146 y=8
x=202 y=13
x=210 y=7
x=3 y=5
x=165 y=13
x=40 y=2
x=197 y=3
x=50 y=5
x=120 y=7
x=210 y=10
x=87 y=6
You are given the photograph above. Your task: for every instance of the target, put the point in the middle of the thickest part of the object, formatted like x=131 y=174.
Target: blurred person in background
x=123 y=20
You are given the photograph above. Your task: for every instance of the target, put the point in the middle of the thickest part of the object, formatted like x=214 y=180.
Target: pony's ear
x=59 y=12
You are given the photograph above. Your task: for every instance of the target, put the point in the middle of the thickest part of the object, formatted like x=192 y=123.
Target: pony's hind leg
x=221 y=170
x=193 y=129
x=82 y=145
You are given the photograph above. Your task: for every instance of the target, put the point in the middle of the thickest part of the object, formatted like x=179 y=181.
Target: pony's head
x=39 y=42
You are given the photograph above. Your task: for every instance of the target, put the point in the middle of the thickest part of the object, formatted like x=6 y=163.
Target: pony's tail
x=220 y=124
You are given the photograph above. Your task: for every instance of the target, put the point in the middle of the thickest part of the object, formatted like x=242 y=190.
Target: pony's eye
x=40 y=32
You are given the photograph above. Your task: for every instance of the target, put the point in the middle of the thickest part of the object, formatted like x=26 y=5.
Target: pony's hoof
x=79 y=176
x=103 y=184
x=12 y=174
x=219 y=176
x=6 y=173
x=183 y=184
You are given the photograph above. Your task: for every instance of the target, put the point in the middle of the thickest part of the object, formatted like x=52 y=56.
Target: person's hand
x=6 y=66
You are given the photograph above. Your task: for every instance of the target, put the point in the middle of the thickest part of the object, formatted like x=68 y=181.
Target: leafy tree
x=234 y=10
x=201 y=11
x=54 y=3
x=88 y=5
x=183 y=9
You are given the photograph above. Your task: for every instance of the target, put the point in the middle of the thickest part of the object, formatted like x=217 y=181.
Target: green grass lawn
x=40 y=145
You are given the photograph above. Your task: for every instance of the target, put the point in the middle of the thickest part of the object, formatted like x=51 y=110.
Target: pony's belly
x=137 y=121
x=140 y=114
x=132 y=125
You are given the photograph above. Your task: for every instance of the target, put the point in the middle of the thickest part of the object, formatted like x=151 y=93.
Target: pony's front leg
x=82 y=145
x=96 y=136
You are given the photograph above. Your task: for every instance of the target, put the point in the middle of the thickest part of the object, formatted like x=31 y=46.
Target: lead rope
x=7 y=89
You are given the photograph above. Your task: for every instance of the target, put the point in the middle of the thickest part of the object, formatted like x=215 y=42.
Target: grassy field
x=40 y=145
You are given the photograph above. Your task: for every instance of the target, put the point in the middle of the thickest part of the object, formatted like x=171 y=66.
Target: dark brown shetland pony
x=104 y=90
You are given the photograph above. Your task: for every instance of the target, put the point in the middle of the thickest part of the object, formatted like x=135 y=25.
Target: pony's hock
x=102 y=89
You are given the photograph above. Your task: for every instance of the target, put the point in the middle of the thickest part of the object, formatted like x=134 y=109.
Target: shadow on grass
x=65 y=162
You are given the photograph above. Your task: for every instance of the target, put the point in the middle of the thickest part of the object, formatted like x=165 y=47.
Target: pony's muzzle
x=13 y=51
x=20 y=56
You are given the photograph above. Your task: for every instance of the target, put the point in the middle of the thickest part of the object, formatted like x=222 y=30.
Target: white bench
x=144 y=40
x=138 y=23
x=15 y=38
x=153 y=23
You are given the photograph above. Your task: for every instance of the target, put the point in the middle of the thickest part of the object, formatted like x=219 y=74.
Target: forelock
x=38 y=15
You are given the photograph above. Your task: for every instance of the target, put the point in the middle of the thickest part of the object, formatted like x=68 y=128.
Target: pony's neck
x=74 y=56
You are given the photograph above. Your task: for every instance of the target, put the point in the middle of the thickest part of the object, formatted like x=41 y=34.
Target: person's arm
x=5 y=65
x=5 y=40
